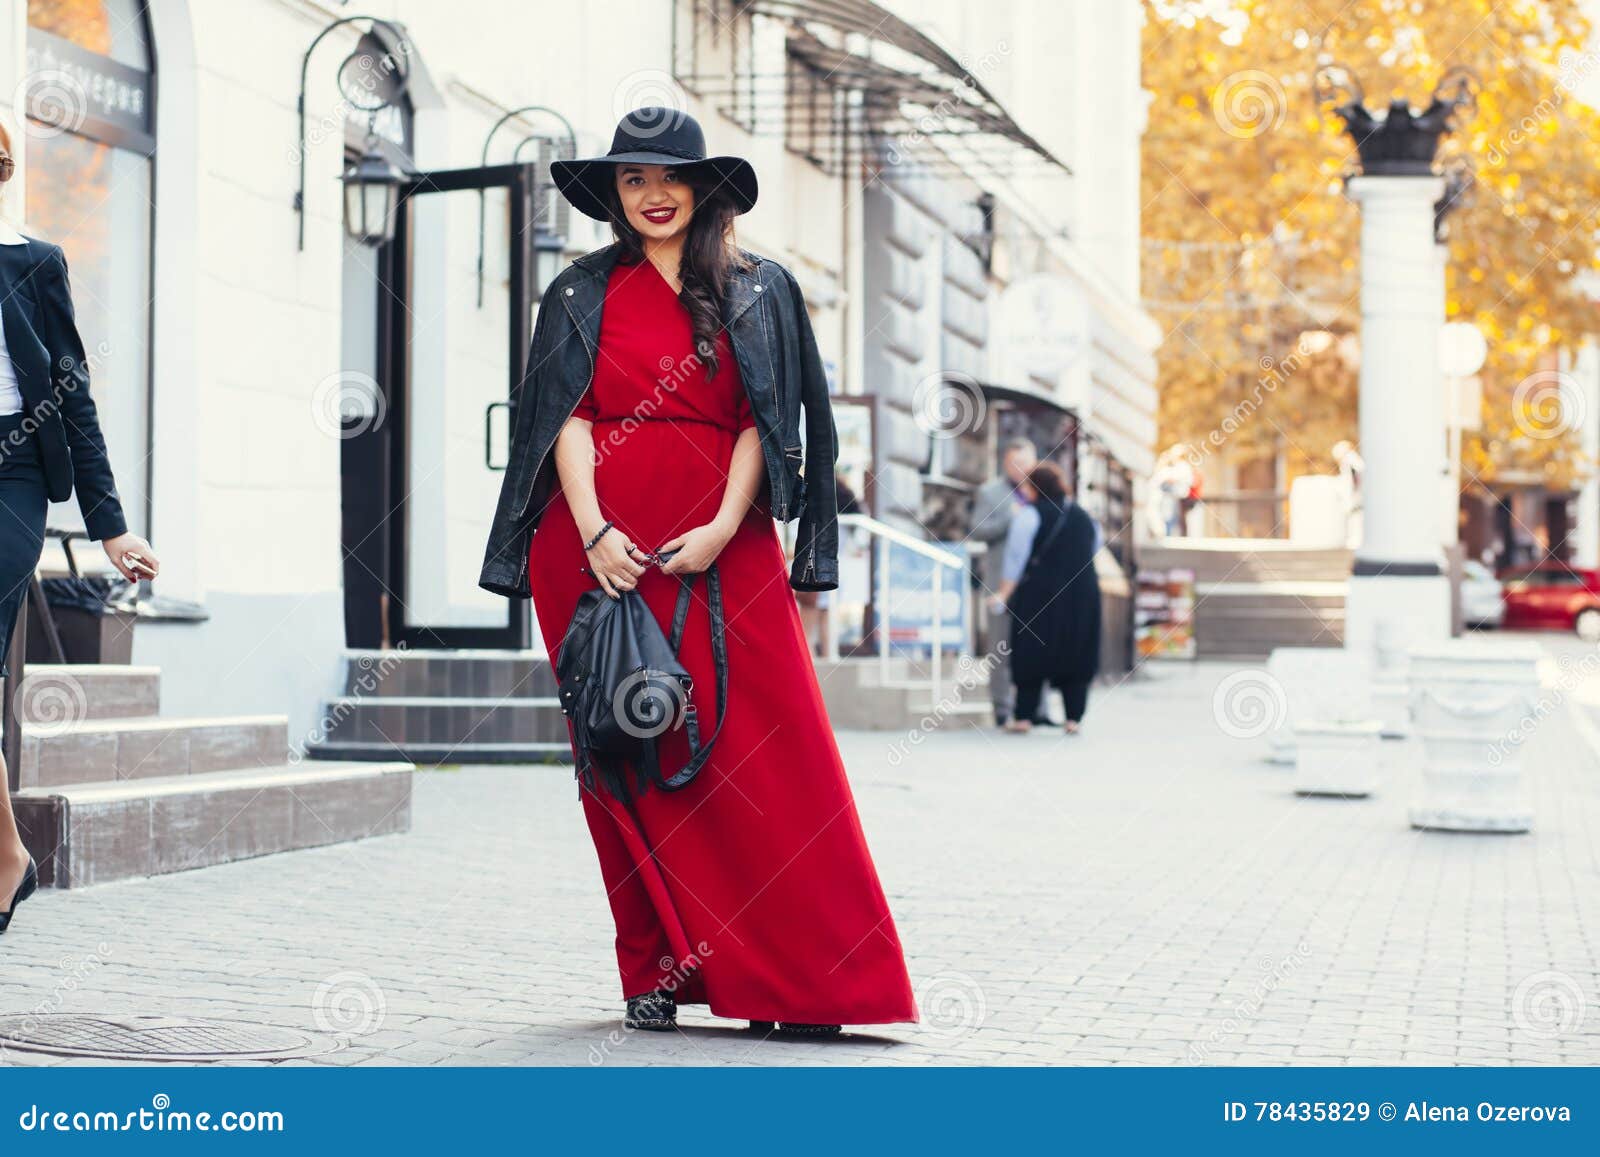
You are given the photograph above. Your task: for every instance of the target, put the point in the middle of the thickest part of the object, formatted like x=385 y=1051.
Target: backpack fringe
x=612 y=776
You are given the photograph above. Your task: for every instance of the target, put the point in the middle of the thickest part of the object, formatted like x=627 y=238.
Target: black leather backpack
x=622 y=687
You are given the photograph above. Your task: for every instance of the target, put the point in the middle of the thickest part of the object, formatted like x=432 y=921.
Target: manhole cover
x=156 y=1038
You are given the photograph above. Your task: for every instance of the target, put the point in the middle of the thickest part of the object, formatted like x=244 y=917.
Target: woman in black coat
x=50 y=446
x=1055 y=606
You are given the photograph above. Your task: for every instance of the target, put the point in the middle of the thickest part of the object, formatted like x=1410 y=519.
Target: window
x=90 y=145
x=1553 y=577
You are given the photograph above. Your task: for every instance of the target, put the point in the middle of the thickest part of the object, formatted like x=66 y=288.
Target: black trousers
x=1074 y=696
x=23 y=503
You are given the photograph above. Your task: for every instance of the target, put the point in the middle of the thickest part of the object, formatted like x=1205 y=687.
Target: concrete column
x=1448 y=395
x=1399 y=594
x=1586 y=534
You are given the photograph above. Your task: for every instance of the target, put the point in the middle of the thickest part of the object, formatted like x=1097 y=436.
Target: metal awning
x=854 y=81
x=1037 y=397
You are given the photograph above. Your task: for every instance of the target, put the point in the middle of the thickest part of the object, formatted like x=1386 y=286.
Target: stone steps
x=441 y=754
x=468 y=673
x=111 y=789
x=1249 y=561
x=1250 y=625
x=95 y=832
x=859 y=697
x=52 y=692
x=1252 y=596
x=61 y=753
x=436 y=707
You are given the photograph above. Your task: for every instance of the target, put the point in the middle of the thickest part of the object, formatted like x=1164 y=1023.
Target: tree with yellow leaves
x=1251 y=247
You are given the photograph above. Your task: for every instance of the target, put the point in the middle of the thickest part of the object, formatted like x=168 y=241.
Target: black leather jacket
x=776 y=350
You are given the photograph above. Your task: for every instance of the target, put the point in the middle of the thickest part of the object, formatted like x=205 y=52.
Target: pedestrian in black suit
x=50 y=446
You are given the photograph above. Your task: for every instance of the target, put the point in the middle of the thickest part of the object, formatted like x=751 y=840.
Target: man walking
x=996 y=502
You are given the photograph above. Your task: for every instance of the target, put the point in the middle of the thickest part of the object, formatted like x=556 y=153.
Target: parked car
x=1554 y=596
x=1482 y=596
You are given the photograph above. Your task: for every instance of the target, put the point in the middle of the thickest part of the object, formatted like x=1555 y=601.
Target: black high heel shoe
x=652 y=1011
x=795 y=1029
x=29 y=885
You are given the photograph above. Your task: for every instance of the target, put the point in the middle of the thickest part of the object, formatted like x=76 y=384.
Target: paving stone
x=1166 y=901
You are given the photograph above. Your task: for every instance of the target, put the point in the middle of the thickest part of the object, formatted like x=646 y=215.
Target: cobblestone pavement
x=1150 y=892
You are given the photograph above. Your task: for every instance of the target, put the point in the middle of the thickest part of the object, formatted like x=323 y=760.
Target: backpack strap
x=719 y=651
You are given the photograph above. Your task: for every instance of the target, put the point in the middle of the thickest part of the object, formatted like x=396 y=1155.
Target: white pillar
x=1586 y=534
x=1399 y=593
x=1449 y=395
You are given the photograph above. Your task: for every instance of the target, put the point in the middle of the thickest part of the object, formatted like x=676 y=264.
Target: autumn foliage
x=1250 y=244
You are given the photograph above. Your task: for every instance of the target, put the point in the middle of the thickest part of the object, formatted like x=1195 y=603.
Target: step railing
x=947 y=568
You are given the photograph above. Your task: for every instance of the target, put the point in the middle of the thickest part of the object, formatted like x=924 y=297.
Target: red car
x=1553 y=595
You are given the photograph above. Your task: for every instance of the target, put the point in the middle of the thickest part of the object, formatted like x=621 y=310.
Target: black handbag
x=622 y=687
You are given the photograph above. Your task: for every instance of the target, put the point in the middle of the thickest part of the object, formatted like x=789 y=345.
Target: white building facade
x=307 y=431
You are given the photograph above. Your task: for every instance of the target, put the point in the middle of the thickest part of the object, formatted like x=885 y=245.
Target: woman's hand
x=129 y=543
x=614 y=560
x=697 y=549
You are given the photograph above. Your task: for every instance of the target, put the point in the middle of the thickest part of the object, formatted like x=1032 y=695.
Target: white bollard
x=1319 y=684
x=1337 y=756
x=1391 y=687
x=1471 y=703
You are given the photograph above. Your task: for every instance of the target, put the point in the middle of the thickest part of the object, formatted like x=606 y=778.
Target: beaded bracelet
x=588 y=546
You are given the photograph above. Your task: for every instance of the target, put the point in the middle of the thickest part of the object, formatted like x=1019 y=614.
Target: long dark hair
x=709 y=255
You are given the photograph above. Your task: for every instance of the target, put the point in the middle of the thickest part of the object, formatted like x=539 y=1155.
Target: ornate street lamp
x=547 y=250
x=542 y=246
x=1459 y=179
x=369 y=82
x=371 y=186
x=548 y=245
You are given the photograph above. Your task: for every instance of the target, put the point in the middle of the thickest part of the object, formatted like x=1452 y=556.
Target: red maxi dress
x=761 y=900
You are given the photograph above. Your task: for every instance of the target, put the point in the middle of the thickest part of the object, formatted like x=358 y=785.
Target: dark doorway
x=419 y=475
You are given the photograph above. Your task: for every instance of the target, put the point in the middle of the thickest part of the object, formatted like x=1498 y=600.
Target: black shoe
x=652 y=1011
x=791 y=1028
x=29 y=885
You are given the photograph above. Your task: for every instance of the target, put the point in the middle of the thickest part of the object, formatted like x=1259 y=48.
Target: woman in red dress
x=751 y=890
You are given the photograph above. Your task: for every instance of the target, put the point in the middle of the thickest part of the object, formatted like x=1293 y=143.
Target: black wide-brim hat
x=651 y=136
